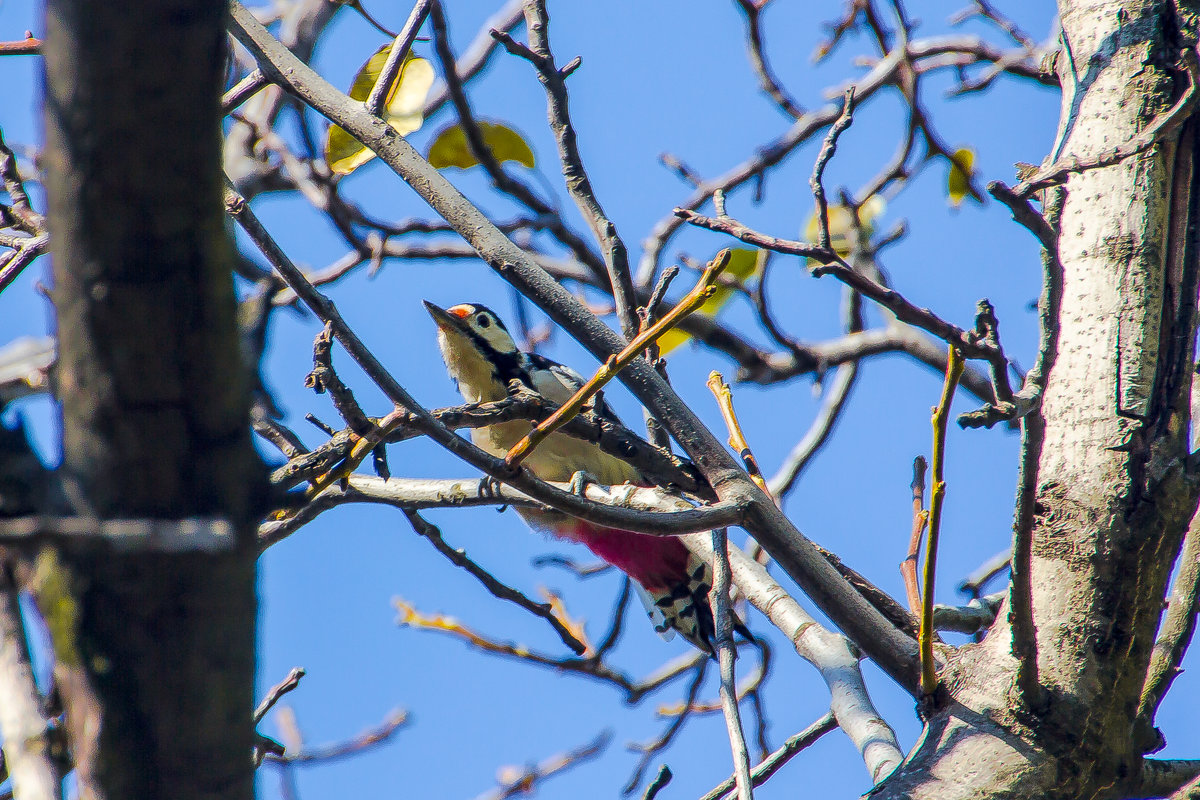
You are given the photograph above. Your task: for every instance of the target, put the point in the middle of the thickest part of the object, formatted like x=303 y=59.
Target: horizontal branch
x=639 y=509
x=975 y=616
x=832 y=264
x=197 y=534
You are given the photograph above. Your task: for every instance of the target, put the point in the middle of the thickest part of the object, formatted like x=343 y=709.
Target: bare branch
x=396 y=57
x=920 y=518
x=818 y=431
x=937 y=493
x=767 y=79
x=1177 y=627
x=771 y=764
x=828 y=148
x=333 y=752
x=517 y=782
x=659 y=783
x=277 y=691
x=246 y=88
x=588 y=667
x=27 y=750
x=832 y=655
x=894 y=652
x=651 y=749
x=723 y=619
x=975 y=616
x=496 y=588
x=538 y=53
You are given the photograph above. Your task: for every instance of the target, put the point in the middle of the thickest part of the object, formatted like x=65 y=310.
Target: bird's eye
x=482 y=321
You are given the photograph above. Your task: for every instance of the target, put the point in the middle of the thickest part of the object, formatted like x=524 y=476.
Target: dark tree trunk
x=155 y=650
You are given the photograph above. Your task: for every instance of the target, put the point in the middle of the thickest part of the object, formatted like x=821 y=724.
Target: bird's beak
x=444 y=319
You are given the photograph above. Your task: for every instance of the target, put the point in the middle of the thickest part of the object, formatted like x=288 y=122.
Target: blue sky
x=665 y=76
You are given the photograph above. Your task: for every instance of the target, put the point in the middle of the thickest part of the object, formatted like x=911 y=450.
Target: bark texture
x=1112 y=494
x=155 y=651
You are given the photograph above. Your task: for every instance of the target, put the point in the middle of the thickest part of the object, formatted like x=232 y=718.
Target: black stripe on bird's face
x=478 y=350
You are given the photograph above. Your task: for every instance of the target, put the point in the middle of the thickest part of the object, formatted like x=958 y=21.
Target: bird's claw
x=579 y=482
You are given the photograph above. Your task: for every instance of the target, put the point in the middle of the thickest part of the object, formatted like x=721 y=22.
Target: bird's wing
x=558 y=382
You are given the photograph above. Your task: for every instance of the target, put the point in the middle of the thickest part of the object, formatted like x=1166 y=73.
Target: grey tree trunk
x=1048 y=704
x=155 y=650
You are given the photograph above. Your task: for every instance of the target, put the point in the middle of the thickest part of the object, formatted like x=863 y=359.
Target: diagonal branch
x=892 y=650
x=421 y=419
x=1178 y=625
x=497 y=589
x=772 y=763
x=616 y=257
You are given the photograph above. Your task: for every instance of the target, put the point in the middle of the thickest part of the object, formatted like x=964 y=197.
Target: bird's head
x=478 y=350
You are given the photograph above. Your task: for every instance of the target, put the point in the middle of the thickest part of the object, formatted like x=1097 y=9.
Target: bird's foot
x=579 y=481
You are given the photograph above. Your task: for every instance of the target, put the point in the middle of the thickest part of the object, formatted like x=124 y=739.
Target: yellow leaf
x=743 y=264
x=958 y=183
x=449 y=148
x=841 y=224
x=404 y=110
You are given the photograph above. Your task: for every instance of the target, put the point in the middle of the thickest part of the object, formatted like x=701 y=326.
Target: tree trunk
x=155 y=650
x=1109 y=494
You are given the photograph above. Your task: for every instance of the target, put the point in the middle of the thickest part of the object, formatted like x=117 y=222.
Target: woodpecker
x=483 y=360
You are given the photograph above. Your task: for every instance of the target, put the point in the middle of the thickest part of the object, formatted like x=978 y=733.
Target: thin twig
x=771 y=764
x=650 y=749
x=497 y=589
x=737 y=439
x=521 y=782
x=974 y=617
x=29 y=46
x=833 y=264
x=21 y=258
x=277 y=691
x=246 y=88
x=589 y=667
x=767 y=79
x=941 y=416
x=27 y=749
x=920 y=517
x=609 y=369
x=659 y=783
x=818 y=432
x=397 y=56
x=364 y=741
x=973 y=584
x=616 y=257
x=29 y=220
x=828 y=148
x=726 y=653
x=1163 y=126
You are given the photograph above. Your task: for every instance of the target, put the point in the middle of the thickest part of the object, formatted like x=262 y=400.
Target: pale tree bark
x=1047 y=705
